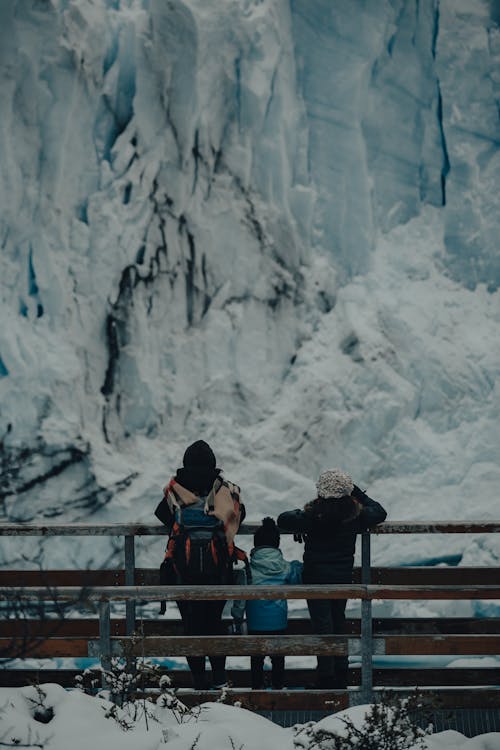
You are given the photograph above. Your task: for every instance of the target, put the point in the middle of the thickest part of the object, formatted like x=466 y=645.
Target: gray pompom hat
x=334 y=484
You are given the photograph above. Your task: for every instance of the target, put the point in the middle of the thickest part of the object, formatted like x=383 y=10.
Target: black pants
x=277 y=662
x=328 y=618
x=203 y=618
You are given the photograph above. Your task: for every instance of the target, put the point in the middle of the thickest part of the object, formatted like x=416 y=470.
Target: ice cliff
x=272 y=224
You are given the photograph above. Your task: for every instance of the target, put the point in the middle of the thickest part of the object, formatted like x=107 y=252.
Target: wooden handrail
x=140 y=529
x=208 y=593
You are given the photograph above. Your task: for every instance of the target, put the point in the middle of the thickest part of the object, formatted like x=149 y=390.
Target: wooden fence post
x=105 y=637
x=130 y=581
x=366 y=623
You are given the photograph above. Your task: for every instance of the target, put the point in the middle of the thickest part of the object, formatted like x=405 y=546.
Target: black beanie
x=267 y=535
x=199 y=454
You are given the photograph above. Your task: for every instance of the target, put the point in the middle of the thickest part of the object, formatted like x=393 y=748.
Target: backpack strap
x=210 y=500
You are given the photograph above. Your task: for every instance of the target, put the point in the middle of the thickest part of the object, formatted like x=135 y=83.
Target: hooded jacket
x=330 y=544
x=268 y=568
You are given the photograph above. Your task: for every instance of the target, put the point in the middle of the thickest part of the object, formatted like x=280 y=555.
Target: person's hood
x=268 y=562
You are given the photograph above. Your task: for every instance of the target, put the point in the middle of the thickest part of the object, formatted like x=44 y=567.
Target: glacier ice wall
x=272 y=224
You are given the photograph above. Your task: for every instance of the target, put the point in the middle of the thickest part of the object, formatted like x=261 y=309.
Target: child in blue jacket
x=266 y=616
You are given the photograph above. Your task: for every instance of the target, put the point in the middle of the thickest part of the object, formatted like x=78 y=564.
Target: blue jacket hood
x=268 y=567
x=268 y=562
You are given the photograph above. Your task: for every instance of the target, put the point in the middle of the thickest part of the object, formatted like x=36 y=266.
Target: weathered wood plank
x=150 y=577
x=396 y=645
x=63 y=578
x=407 y=576
x=82 y=529
x=141 y=529
x=230 y=645
x=421 y=625
x=454 y=645
x=460 y=676
x=395 y=626
x=302 y=645
x=446 y=698
x=433 y=592
x=45 y=647
x=305 y=678
x=335 y=700
x=436 y=576
x=274 y=700
x=437 y=527
x=173 y=593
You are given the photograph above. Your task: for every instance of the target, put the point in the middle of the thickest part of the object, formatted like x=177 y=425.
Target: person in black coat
x=189 y=489
x=329 y=525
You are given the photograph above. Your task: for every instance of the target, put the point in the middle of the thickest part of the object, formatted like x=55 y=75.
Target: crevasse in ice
x=270 y=224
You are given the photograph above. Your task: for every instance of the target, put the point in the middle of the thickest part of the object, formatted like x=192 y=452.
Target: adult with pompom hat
x=328 y=525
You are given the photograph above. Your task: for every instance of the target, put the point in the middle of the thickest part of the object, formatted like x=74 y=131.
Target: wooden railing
x=367 y=637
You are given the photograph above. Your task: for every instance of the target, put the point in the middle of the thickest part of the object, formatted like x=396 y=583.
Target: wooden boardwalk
x=37 y=624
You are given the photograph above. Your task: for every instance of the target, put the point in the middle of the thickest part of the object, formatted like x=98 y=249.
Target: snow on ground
x=79 y=722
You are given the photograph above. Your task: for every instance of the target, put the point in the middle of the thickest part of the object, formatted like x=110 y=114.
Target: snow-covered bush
x=126 y=686
x=388 y=725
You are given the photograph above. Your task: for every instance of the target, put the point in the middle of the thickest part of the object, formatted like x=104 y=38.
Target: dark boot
x=326 y=682
x=340 y=681
x=200 y=681
x=219 y=678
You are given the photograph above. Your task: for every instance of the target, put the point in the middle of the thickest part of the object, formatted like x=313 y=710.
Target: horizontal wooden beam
x=291 y=645
x=407 y=576
x=423 y=625
x=219 y=593
x=391 y=645
x=432 y=575
x=63 y=578
x=453 y=645
x=445 y=698
x=141 y=529
x=89 y=627
x=331 y=701
x=230 y=645
x=305 y=678
x=27 y=648
x=436 y=527
x=451 y=592
x=173 y=593
x=274 y=700
x=82 y=529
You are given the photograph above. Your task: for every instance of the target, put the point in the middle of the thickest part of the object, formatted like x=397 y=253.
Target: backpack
x=198 y=551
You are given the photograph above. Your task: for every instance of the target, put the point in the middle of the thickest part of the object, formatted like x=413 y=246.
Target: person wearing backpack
x=266 y=616
x=202 y=512
x=328 y=525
